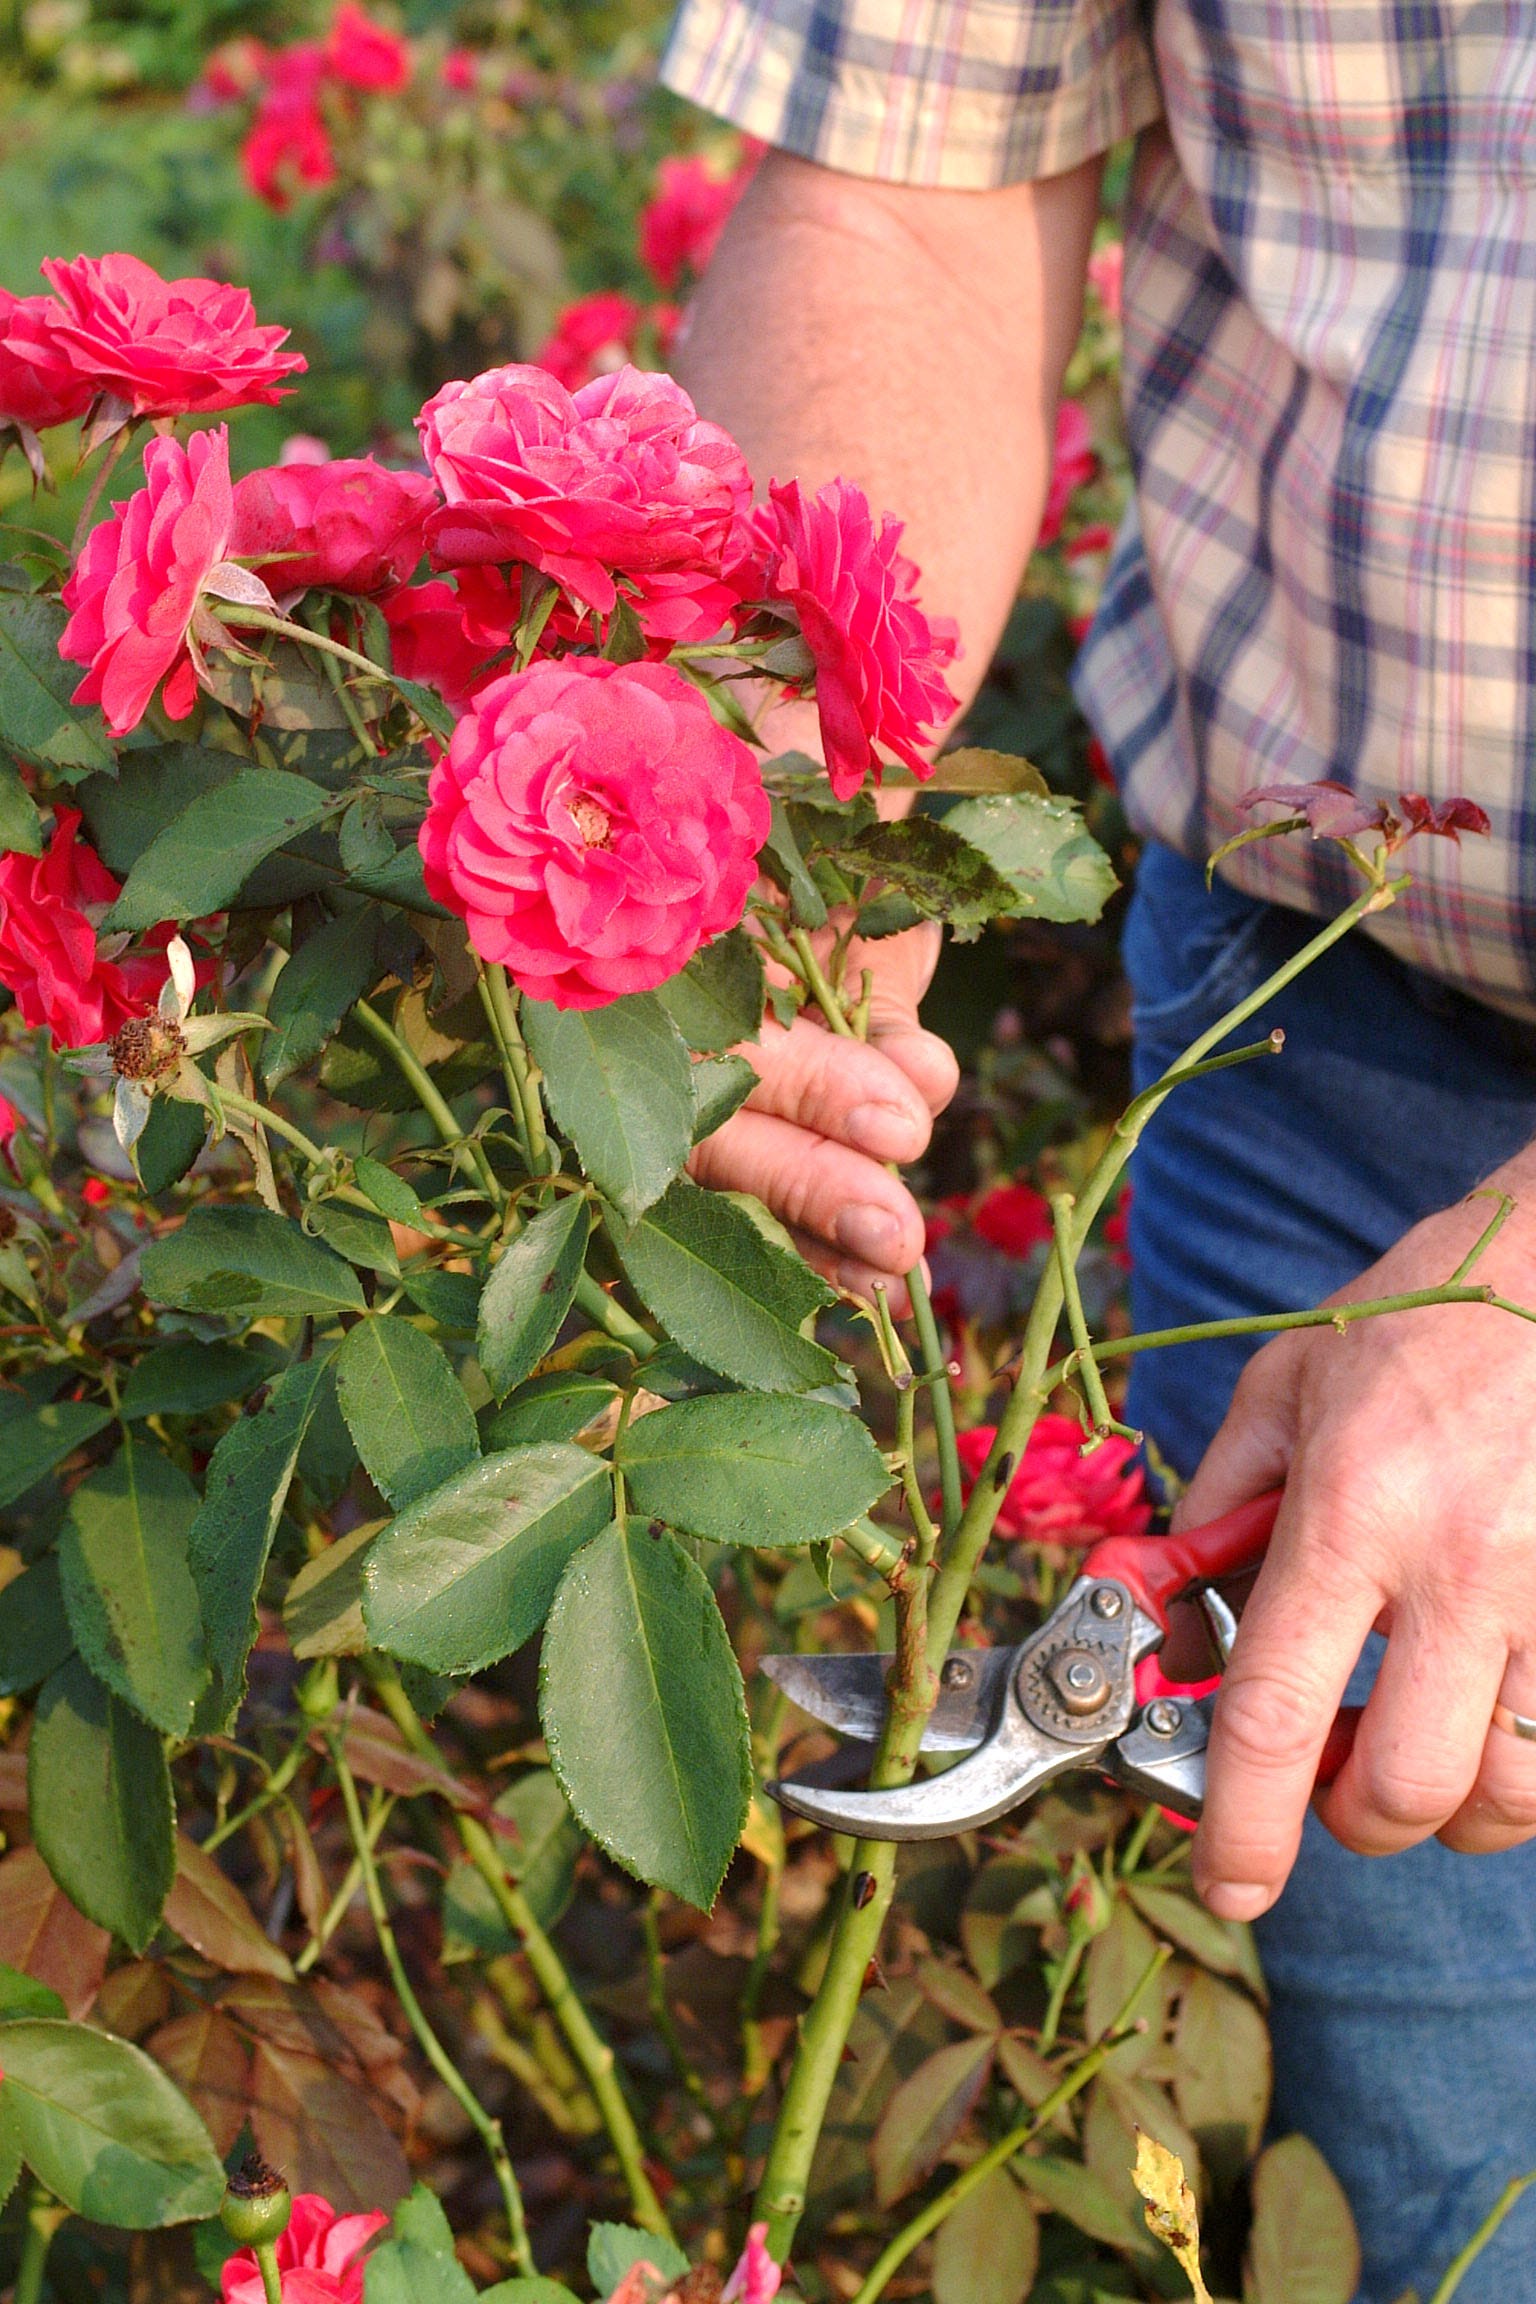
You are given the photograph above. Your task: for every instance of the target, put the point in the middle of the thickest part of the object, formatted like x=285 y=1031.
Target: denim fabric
x=1404 y=1988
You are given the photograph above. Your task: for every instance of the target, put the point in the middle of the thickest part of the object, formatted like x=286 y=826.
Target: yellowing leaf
x=1170 y=2207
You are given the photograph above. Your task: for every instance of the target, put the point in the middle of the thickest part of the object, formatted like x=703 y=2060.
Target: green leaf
x=643 y=1711
x=246 y=1487
x=971 y=768
x=405 y=1408
x=247 y=1260
x=390 y=1194
x=1073 y=2191
x=428 y=707
x=542 y=1860
x=1302 y=2248
x=323 y=1606
x=1118 y=1956
x=743 y=1469
x=327 y=975
x=718 y=998
x=724 y=1293
x=356 y=1233
x=172 y=1138
x=552 y=1407
x=36 y=1441
x=207 y=1911
x=21 y=827
x=1222 y=2077
x=924 y=860
x=782 y=861
x=35 y=1637
x=204 y=856
x=534 y=2290
x=99 y=1793
x=988 y=2248
x=1223 y=1945
x=721 y=1085
x=1044 y=851
x=127 y=809
x=467 y=1575
x=618 y=1082
x=10 y=2144
x=417 y=2264
x=927 y=2113
x=452 y=1299
x=104 y=2129
x=186 y=1379
x=529 y=1293
x=613 y=2248
x=38 y=724
x=23 y=1996
x=128 y=1590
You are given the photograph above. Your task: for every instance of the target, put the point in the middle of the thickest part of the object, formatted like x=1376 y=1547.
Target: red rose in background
x=460 y=71
x=319 y=2258
x=1075 y=464
x=49 y=960
x=348 y=524
x=233 y=72
x=365 y=54
x=594 y=825
x=682 y=222
x=1014 y=1217
x=880 y=661
x=39 y=383
x=1058 y=1495
x=289 y=147
x=598 y=335
x=619 y=478
x=135 y=588
x=167 y=347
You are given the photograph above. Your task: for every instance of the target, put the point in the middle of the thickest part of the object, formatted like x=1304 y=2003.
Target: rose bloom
x=592 y=337
x=682 y=222
x=1058 y=1495
x=49 y=960
x=319 y=2257
x=428 y=641
x=460 y=71
x=1014 y=1217
x=348 y=525
x=233 y=72
x=1106 y=274
x=289 y=147
x=1075 y=464
x=364 y=54
x=167 y=347
x=136 y=585
x=620 y=477
x=39 y=383
x=880 y=661
x=594 y=825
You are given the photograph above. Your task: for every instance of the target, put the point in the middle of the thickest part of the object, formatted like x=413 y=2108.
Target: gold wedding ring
x=1516 y=1723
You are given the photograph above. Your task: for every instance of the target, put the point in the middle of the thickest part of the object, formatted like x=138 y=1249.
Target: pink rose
x=1058 y=1495
x=683 y=220
x=365 y=54
x=756 y=2277
x=234 y=70
x=1075 y=464
x=319 y=2258
x=1106 y=275
x=619 y=478
x=351 y=525
x=428 y=641
x=460 y=71
x=594 y=825
x=880 y=661
x=288 y=149
x=49 y=960
x=39 y=383
x=167 y=347
x=135 y=588
x=592 y=337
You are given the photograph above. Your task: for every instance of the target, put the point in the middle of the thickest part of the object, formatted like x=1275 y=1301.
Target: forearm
x=913 y=341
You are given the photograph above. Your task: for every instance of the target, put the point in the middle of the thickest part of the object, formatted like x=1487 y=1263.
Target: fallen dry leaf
x=1170 y=2207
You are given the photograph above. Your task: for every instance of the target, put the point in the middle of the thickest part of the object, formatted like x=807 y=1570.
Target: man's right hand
x=827 y=1114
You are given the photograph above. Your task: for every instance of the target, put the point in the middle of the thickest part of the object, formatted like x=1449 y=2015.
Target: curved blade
x=1015 y=1762
x=848 y=1693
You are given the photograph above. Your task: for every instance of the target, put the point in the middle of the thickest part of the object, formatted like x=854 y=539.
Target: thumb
x=1252 y=1450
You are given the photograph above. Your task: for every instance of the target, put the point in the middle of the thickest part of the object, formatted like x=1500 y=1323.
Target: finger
x=1300 y=1637
x=841 y=1089
x=852 y=1278
x=1252 y=1450
x=849 y=1203
x=928 y=1062
x=1500 y=1810
x=1421 y=1737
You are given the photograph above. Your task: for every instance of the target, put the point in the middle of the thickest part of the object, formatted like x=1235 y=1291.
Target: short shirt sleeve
x=961 y=94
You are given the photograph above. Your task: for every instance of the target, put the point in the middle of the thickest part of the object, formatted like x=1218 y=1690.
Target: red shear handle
x=1157 y=1570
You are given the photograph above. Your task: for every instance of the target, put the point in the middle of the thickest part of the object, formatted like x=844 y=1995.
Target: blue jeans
x=1403 y=1988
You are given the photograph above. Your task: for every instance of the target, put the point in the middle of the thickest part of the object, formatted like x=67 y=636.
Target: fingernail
x=1236 y=1899
x=870 y=1233
x=882 y=1130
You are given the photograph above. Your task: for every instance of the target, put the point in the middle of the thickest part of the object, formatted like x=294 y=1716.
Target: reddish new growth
x=1333 y=812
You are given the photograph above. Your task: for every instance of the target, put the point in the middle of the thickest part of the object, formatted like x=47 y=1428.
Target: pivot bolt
x=1107 y=1602
x=1081 y=1682
x=1163 y=1718
x=957 y=1672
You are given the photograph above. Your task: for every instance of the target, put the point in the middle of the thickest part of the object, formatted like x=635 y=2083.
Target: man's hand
x=813 y=1138
x=1410 y=1505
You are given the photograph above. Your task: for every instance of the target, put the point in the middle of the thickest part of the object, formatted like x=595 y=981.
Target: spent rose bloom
x=619 y=478
x=365 y=54
x=682 y=222
x=880 y=661
x=1058 y=1495
x=349 y=525
x=39 y=383
x=594 y=825
x=1075 y=464
x=320 y=2258
x=135 y=589
x=166 y=347
x=50 y=961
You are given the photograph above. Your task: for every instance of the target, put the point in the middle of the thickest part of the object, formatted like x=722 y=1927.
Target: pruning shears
x=1065 y=1698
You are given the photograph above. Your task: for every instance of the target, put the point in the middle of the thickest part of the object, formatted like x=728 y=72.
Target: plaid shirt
x=1329 y=375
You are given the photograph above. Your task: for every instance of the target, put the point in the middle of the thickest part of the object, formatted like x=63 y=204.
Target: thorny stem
x=1071 y=1961
x=335 y=1912
x=1465 y=2258
x=754 y=2056
x=272 y=1790
x=104 y=472
x=44 y=2216
x=1077 y=1322
x=1000 y=2153
x=661 y=2013
x=500 y=1005
x=941 y=1400
x=257 y=620
x=586 y=2044
x=487 y=2129
x=433 y=1102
